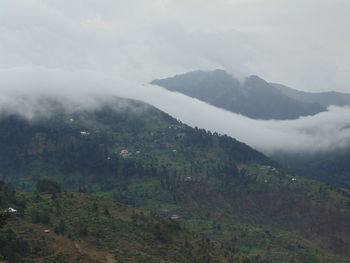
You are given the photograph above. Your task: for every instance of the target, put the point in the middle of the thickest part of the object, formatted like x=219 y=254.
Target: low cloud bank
x=23 y=87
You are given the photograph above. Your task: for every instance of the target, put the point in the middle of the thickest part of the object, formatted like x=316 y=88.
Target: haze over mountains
x=100 y=166
x=78 y=89
x=256 y=98
x=252 y=97
x=325 y=99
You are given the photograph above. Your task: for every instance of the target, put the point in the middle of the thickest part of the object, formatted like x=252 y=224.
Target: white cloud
x=75 y=50
x=322 y=132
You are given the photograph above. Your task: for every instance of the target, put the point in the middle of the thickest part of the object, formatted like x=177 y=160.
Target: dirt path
x=110 y=259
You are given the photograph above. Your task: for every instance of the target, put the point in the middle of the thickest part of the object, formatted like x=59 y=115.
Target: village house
x=175 y=217
x=188 y=179
x=124 y=153
x=180 y=135
x=84 y=133
x=12 y=210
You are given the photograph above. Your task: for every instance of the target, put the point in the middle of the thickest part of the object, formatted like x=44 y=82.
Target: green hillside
x=105 y=149
x=78 y=227
x=212 y=184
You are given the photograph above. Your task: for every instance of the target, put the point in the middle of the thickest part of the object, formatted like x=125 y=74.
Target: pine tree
x=3 y=218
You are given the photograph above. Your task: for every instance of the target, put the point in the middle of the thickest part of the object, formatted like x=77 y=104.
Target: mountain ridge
x=325 y=99
x=254 y=97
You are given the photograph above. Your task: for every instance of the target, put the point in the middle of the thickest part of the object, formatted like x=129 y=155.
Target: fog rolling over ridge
x=85 y=90
x=227 y=123
x=78 y=51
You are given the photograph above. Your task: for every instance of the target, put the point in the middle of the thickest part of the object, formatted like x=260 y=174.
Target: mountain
x=214 y=186
x=94 y=148
x=254 y=98
x=323 y=98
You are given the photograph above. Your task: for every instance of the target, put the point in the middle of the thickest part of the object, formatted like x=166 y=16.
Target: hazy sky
x=300 y=43
x=77 y=49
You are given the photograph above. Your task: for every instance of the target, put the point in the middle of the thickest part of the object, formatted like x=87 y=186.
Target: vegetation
x=79 y=231
x=48 y=186
x=4 y=215
x=215 y=186
x=331 y=167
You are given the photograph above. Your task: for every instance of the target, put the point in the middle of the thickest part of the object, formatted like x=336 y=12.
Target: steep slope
x=323 y=98
x=254 y=97
x=77 y=227
x=100 y=149
x=215 y=185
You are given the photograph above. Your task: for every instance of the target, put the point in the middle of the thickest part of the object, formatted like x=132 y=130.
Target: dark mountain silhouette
x=254 y=97
x=323 y=98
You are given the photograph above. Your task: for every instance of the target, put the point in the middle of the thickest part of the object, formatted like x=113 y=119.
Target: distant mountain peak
x=256 y=79
x=254 y=98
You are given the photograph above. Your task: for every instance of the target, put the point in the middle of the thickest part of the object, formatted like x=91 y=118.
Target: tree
x=95 y=208
x=48 y=186
x=106 y=213
x=61 y=228
x=4 y=215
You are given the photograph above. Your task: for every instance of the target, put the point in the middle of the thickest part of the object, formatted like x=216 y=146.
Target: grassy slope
x=124 y=234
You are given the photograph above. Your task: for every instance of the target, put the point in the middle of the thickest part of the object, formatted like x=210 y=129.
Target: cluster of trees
x=13 y=248
x=48 y=186
x=4 y=215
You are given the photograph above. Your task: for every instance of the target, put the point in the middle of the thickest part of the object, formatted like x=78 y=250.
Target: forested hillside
x=211 y=184
x=54 y=226
x=332 y=167
x=102 y=149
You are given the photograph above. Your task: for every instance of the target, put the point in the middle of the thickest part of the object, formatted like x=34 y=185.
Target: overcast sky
x=300 y=43
x=76 y=49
